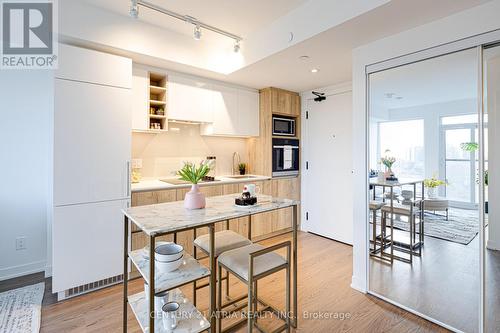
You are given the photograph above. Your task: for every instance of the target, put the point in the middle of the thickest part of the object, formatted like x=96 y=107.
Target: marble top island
x=172 y=216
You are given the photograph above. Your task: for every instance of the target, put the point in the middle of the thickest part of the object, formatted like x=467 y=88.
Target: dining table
x=171 y=218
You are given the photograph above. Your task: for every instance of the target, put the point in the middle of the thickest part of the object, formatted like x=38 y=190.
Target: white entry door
x=327 y=177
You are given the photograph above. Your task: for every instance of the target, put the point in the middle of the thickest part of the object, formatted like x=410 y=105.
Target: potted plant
x=432 y=184
x=388 y=161
x=193 y=173
x=242 y=167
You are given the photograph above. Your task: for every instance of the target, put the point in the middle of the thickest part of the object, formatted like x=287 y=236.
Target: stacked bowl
x=168 y=256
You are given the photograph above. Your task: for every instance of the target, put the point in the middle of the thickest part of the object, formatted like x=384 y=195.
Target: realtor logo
x=28 y=30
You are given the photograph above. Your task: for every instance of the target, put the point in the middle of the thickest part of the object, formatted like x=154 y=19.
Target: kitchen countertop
x=155 y=184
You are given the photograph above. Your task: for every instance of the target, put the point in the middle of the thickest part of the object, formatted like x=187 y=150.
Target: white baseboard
x=16 y=271
x=493 y=245
x=358 y=285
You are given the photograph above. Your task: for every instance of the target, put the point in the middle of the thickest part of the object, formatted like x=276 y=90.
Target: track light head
x=237 y=46
x=134 y=9
x=197 y=32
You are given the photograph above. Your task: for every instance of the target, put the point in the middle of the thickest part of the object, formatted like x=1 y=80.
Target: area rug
x=462 y=226
x=20 y=309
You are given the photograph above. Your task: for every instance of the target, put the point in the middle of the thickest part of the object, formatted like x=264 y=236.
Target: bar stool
x=250 y=264
x=225 y=240
x=413 y=211
x=375 y=206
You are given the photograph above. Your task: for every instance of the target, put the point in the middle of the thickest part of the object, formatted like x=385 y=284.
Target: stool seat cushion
x=376 y=205
x=224 y=241
x=237 y=260
x=400 y=209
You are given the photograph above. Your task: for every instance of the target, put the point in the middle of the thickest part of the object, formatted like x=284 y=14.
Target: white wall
x=163 y=154
x=26 y=112
x=465 y=24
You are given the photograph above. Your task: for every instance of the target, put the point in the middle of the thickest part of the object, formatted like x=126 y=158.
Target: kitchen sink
x=176 y=181
x=241 y=176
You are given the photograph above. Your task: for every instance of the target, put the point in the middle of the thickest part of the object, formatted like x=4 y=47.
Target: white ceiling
x=329 y=51
x=240 y=17
x=438 y=80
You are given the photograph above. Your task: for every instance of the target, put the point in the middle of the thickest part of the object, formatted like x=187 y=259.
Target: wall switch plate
x=20 y=243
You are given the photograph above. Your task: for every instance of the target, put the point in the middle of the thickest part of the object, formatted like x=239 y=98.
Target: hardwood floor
x=445 y=277
x=325 y=269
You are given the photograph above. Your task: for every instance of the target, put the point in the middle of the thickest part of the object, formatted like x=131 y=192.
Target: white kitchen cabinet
x=87 y=243
x=224 y=111
x=189 y=99
x=140 y=98
x=248 y=112
x=235 y=112
x=92 y=140
x=91 y=66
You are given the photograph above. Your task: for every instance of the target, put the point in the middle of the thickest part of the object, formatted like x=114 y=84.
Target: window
x=405 y=140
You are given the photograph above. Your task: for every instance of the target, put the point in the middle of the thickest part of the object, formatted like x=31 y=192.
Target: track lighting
x=134 y=12
x=197 y=32
x=237 y=46
x=134 y=9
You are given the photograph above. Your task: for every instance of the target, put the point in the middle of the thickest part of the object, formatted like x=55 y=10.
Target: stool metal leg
x=250 y=312
x=219 y=298
x=287 y=292
x=194 y=256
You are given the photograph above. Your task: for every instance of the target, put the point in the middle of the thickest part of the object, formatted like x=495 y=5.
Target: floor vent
x=86 y=288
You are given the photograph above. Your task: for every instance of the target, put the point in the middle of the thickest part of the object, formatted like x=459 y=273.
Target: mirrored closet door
x=424 y=190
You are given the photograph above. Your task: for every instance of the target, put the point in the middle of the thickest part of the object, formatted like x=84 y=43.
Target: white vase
x=432 y=192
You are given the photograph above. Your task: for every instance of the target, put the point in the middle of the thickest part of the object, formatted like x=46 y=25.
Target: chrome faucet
x=235 y=166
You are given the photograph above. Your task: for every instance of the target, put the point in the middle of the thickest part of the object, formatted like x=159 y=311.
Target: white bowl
x=145 y=249
x=168 y=252
x=169 y=266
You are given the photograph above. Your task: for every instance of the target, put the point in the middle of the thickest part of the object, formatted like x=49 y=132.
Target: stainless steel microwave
x=283 y=126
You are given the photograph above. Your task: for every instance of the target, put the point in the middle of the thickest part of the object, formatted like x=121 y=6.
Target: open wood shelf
x=157 y=90
x=157 y=102
x=157 y=116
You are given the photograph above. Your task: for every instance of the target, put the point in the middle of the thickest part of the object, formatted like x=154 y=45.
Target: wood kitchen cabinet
x=285 y=102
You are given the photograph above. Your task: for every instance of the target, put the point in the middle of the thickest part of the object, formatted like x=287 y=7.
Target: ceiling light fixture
x=304 y=57
x=186 y=18
x=134 y=9
x=236 y=46
x=314 y=70
x=197 y=32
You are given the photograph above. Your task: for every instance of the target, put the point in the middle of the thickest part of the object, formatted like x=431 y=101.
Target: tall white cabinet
x=91 y=183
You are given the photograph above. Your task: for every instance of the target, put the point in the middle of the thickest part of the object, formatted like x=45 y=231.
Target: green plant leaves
x=192 y=173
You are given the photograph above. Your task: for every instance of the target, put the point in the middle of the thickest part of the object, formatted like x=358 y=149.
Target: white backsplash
x=163 y=154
